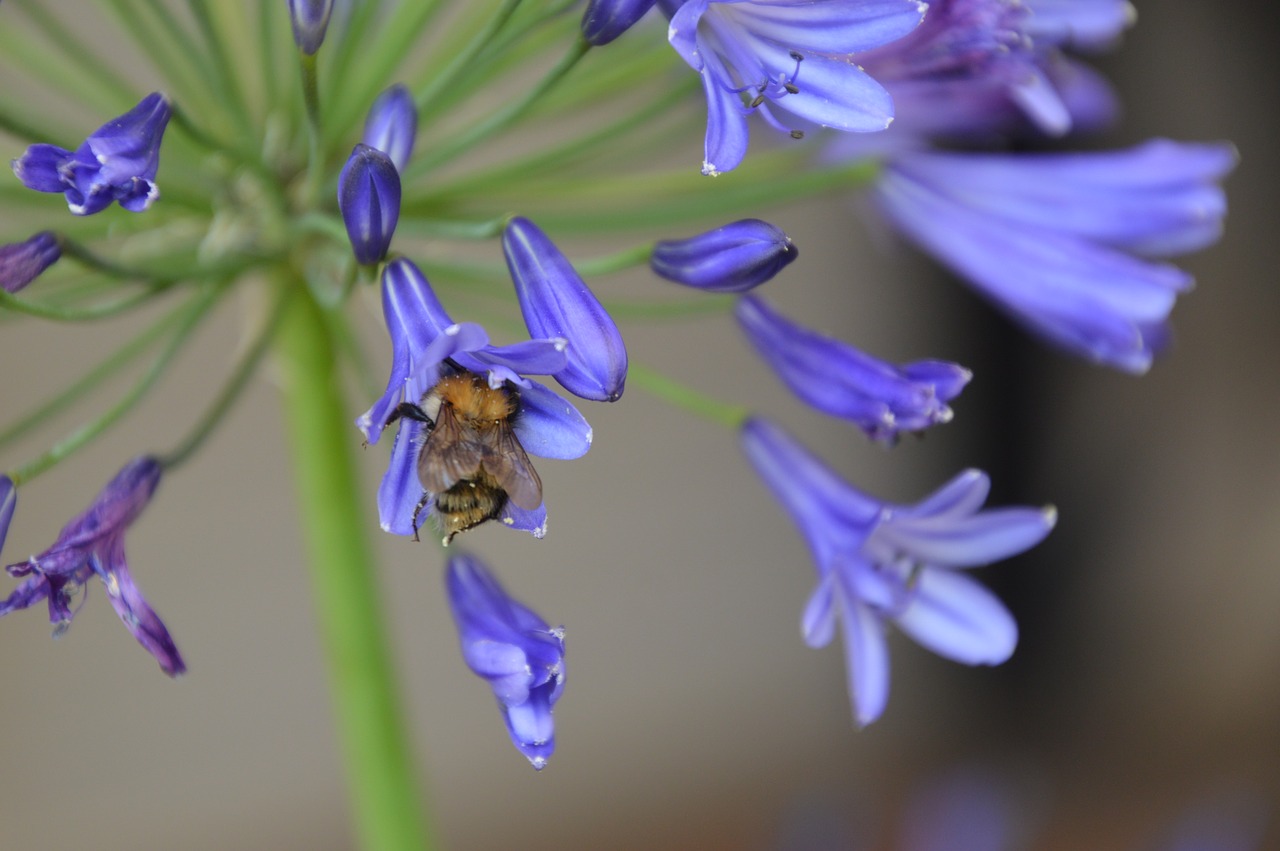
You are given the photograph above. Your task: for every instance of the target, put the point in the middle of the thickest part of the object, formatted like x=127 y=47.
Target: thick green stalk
x=336 y=520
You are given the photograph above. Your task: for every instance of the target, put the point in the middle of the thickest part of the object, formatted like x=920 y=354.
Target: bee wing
x=452 y=452
x=507 y=462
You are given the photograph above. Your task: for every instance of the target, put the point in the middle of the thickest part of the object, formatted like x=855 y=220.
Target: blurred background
x=1147 y=677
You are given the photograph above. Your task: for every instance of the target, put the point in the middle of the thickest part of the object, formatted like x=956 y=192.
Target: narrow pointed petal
x=521 y=520
x=137 y=615
x=818 y=621
x=392 y=125
x=730 y=259
x=400 y=489
x=833 y=26
x=556 y=303
x=978 y=539
x=956 y=617
x=866 y=656
x=961 y=496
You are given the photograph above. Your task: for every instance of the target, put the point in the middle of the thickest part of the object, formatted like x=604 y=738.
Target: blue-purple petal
x=557 y=303
x=978 y=539
x=866 y=656
x=137 y=615
x=37 y=168
x=605 y=20
x=369 y=198
x=957 y=618
x=818 y=621
x=400 y=489
x=8 y=503
x=392 y=125
x=549 y=426
x=733 y=258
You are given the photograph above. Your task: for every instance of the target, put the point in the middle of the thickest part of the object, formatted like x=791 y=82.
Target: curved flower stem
x=685 y=397
x=500 y=118
x=384 y=788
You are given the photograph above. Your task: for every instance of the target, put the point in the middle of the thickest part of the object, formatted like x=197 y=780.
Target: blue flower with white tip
x=423 y=338
x=880 y=563
x=753 y=55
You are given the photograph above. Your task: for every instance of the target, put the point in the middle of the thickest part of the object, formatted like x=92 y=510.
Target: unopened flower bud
x=729 y=259
x=392 y=125
x=22 y=262
x=369 y=198
x=605 y=20
x=556 y=303
x=310 y=19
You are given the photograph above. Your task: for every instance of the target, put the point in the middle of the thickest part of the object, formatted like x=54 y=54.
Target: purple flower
x=22 y=262
x=93 y=544
x=791 y=53
x=605 y=20
x=8 y=502
x=392 y=125
x=881 y=399
x=310 y=19
x=369 y=198
x=729 y=259
x=1086 y=24
x=1056 y=240
x=880 y=563
x=556 y=303
x=117 y=162
x=511 y=648
x=422 y=337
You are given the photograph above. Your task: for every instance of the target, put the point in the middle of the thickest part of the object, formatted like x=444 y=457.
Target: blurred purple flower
x=369 y=198
x=117 y=162
x=8 y=502
x=93 y=544
x=310 y=19
x=881 y=563
x=838 y=379
x=605 y=20
x=730 y=259
x=422 y=337
x=511 y=648
x=1056 y=240
x=791 y=53
x=22 y=262
x=392 y=125
x=557 y=303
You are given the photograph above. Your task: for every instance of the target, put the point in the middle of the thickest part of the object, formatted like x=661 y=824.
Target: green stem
x=501 y=118
x=616 y=262
x=232 y=389
x=80 y=314
x=685 y=397
x=424 y=97
x=311 y=96
x=85 y=434
x=335 y=521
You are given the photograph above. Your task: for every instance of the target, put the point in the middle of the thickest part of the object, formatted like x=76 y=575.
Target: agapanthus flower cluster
x=305 y=196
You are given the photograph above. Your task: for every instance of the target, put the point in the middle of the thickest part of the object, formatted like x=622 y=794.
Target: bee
x=471 y=460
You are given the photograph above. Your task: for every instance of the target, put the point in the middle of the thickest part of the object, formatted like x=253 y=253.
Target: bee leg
x=410 y=411
x=417 y=510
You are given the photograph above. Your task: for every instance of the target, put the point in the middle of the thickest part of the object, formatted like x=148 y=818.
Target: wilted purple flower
x=310 y=19
x=511 y=648
x=879 y=563
x=556 y=303
x=117 y=162
x=422 y=337
x=605 y=20
x=792 y=53
x=8 y=502
x=369 y=198
x=392 y=125
x=730 y=259
x=93 y=544
x=1055 y=239
x=22 y=262
x=838 y=379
